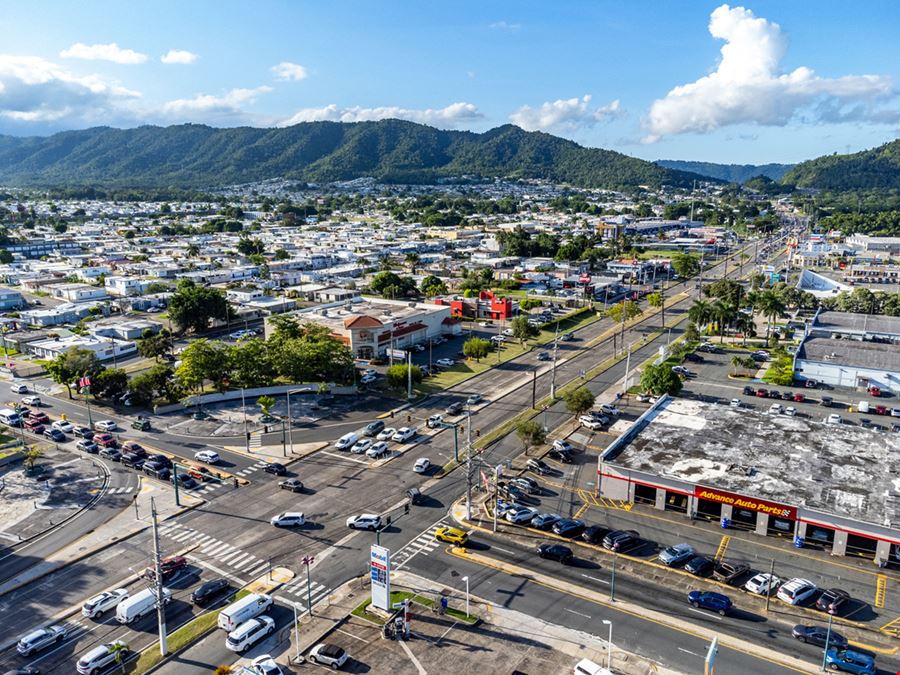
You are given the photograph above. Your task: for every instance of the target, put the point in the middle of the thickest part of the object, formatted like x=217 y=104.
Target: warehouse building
x=832 y=487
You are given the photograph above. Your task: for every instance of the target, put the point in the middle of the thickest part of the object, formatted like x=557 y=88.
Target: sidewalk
x=121 y=526
x=276 y=453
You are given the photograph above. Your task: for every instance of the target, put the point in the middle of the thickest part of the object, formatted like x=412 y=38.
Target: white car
x=591 y=423
x=796 y=591
x=328 y=655
x=776 y=409
x=32 y=400
x=403 y=434
x=208 y=456
x=249 y=633
x=64 y=426
x=735 y=403
x=435 y=421
x=40 y=639
x=790 y=411
x=369 y=371
x=364 y=521
x=105 y=425
x=104 y=601
x=367 y=379
x=265 y=665
x=386 y=434
x=834 y=419
x=377 y=450
x=288 y=519
x=483 y=324
x=563 y=446
x=609 y=409
x=763 y=583
x=99 y=658
x=361 y=446
x=446 y=363
x=19 y=389
x=422 y=465
x=523 y=515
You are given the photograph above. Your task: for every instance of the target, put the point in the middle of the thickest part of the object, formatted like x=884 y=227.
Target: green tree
x=281 y=254
x=771 y=305
x=313 y=356
x=579 y=401
x=659 y=380
x=531 y=433
x=266 y=403
x=251 y=364
x=73 y=364
x=119 y=650
x=192 y=307
x=691 y=334
x=204 y=360
x=522 y=330
x=623 y=311
x=432 y=286
x=397 y=375
x=392 y=285
x=5 y=257
x=153 y=345
x=192 y=250
x=412 y=261
x=529 y=304
x=31 y=455
x=723 y=313
x=657 y=300
x=685 y=264
x=700 y=313
x=476 y=348
x=737 y=362
x=109 y=383
x=247 y=246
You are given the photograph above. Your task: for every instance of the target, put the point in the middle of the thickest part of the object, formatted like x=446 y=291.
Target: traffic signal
x=392 y=414
x=477 y=433
x=409 y=418
x=235 y=482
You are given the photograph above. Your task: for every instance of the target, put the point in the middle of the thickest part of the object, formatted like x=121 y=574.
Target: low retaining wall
x=613 y=448
x=253 y=394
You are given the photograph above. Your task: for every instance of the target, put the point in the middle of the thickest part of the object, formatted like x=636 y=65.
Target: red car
x=134 y=448
x=799 y=398
x=881 y=410
x=106 y=440
x=169 y=566
x=39 y=416
x=762 y=393
x=875 y=391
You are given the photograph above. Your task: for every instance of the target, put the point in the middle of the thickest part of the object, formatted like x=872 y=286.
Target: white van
x=243 y=610
x=346 y=441
x=10 y=417
x=863 y=406
x=140 y=604
x=588 y=667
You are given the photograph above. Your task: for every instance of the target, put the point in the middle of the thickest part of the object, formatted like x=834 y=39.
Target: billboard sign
x=380 y=570
x=397 y=353
x=749 y=503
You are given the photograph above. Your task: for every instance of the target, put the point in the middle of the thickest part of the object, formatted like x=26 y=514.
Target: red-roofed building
x=485 y=306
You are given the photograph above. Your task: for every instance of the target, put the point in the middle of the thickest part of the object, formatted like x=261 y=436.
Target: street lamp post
x=290 y=422
x=827 y=639
x=466 y=579
x=308 y=560
x=607 y=622
x=612 y=583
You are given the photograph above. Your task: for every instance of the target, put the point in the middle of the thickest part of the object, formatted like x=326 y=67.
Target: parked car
x=169 y=566
x=209 y=591
x=404 y=434
x=373 y=428
x=367 y=379
x=849 y=661
x=103 y=602
x=526 y=483
x=19 y=388
x=590 y=422
x=160 y=459
x=265 y=665
x=106 y=440
x=292 y=484
x=451 y=535
x=386 y=434
x=99 y=658
x=377 y=450
x=715 y=602
x=88 y=446
x=105 y=425
x=609 y=409
x=749 y=391
x=832 y=600
x=521 y=516
x=621 y=540
x=364 y=521
x=32 y=400
x=110 y=453
x=762 y=393
x=816 y=635
x=539 y=467
x=701 y=566
x=560 y=455
x=762 y=583
x=328 y=655
x=208 y=456
x=569 y=527
x=249 y=633
x=185 y=481
x=288 y=519
x=676 y=555
x=64 y=426
x=556 y=552
x=834 y=418
x=361 y=446
x=544 y=521
x=730 y=571
x=154 y=470
x=796 y=591
x=55 y=435
x=141 y=424
x=41 y=638
x=446 y=363
x=562 y=445
x=83 y=432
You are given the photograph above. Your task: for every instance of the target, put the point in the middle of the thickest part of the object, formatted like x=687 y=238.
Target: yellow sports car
x=451 y=535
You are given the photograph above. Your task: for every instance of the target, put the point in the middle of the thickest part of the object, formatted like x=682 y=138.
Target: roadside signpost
x=380 y=571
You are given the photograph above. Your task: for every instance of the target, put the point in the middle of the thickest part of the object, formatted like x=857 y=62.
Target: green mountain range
x=875 y=168
x=197 y=156
x=732 y=173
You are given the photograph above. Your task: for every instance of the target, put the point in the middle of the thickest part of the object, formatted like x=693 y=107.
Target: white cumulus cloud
x=748 y=85
x=510 y=26
x=289 y=71
x=33 y=89
x=564 y=115
x=208 y=107
x=100 y=52
x=454 y=115
x=180 y=56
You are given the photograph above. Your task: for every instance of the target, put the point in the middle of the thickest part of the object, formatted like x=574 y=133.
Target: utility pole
x=158 y=580
x=409 y=375
x=468 y=465
x=553 y=369
x=769 y=585
x=533 y=387
x=627 y=368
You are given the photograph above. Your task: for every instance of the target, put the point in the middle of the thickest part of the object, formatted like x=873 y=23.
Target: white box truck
x=246 y=608
x=140 y=604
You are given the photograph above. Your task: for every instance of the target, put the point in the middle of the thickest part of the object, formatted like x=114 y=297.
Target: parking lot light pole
x=827 y=639
x=466 y=579
x=607 y=622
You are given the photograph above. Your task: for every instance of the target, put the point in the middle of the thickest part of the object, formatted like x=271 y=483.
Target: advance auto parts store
x=833 y=487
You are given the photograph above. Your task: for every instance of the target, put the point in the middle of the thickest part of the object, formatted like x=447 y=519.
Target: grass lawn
x=567 y=325
x=466 y=368
x=656 y=253
x=362 y=612
x=182 y=637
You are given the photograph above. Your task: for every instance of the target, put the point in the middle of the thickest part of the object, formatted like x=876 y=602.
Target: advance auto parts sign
x=739 y=502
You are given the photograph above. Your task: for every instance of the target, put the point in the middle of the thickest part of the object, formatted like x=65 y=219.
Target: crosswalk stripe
x=216 y=551
x=236 y=560
x=252 y=560
x=203 y=540
x=229 y=555
x=181 y=536
x=256 y=571
x=213 y=545
x=168 y=527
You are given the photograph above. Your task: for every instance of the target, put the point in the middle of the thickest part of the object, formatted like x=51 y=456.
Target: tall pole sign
x=380 y=569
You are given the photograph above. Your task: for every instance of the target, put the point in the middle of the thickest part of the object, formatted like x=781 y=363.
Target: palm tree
x=723 y=313
x=412 y=259
x=119 y=650
x=193 y=250
x=736 y=362
x=772 y=306
x=700 y=313
x=744 y=324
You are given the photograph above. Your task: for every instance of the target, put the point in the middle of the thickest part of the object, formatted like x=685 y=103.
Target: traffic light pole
x=157 y=560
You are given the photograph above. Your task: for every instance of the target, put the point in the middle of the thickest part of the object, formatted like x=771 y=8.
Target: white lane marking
x=688 y=651
x=252 y=561
x=221 y=573
x=412 y=658
x=599 y=581
x=344 y=457
x=502 y=549
x=234 y=562
x=704 y=613
x=259 y=568
x=216 y=549
x=572 y=611
x=233 y=553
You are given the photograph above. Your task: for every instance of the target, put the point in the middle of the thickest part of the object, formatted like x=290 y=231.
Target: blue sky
x=758 y=82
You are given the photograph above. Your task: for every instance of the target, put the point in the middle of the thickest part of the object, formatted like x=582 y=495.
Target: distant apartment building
x=125 y=286
x=104 y=348
x=78 y=292
x=10 y=300
x=865 y=242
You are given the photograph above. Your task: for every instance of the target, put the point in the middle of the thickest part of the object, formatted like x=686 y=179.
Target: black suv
x=832 y=600
x=156 y=470
x=373 y=428
x=134 y=460
x=621 y=540
x=162 y=460
x=560 y=456
x=539 y=467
